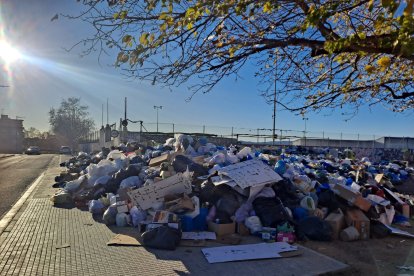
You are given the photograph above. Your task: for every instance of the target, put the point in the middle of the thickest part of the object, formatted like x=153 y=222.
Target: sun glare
x=8 y=53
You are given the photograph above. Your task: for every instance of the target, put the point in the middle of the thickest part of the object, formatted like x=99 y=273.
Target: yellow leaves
x=267 y=8
x=370 y=69
x=321 y=66
x=121 y=58
x=123 y=14
x=163 y=27
x=371 y=5
x=163 y=16
x=189 y=25
x=127 y=39
x=144 y=39
x=151 y=38
x=384 y=63
x=232 y=50
x=120 y=15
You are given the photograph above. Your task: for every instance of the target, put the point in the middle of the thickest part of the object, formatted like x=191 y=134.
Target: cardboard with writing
x=147 y=196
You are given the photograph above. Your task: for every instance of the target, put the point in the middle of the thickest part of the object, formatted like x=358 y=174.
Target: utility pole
x=157 y=107
x=274 y=105
x=304 y=133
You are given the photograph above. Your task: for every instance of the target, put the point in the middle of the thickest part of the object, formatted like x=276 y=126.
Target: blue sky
x=47 y=74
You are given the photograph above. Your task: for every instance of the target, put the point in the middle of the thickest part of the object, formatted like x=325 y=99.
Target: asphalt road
x=16 y=174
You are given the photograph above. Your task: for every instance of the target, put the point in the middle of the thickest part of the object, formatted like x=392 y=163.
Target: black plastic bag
x=327 y=198
x=379 y=230
x=270 y=210
x=181 y=163
x=162 y=237
x=314 y=228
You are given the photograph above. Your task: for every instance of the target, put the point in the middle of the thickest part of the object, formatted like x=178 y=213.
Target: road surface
x=16 y=174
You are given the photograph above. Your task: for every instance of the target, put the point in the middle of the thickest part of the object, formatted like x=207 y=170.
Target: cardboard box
x=158 y=160
x=337 y=220
x=357 y=219
x=354 y=198
x=242 y=229
x=222 y=229
x=199 y=159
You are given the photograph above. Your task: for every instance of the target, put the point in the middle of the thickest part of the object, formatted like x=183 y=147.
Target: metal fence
x=258 y=135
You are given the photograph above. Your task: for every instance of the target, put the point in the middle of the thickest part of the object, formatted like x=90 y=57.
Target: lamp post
x=157 y=107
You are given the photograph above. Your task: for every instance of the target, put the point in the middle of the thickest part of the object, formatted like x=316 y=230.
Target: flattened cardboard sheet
x=147 y=196
x=124 y=240
x=250 y=173
x=246 y=252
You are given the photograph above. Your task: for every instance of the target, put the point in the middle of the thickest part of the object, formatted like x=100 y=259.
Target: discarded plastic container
x=187 y=224
x=349 y=234
x=200 y=221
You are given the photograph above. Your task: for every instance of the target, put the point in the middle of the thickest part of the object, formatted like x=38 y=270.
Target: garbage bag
x=62 y=198
x=115 y=154
x=102 y=180
x=379 y=230
x=181 y=163
x=327 y=198
x=226 y=207
x=218 y=158
x=131 y=182
x=73 y=186
x=109 y=216
x=137 y=215
x=243 y=212
x=280 y=167
x=270 y=211
x=162 y=237
x=122 y=220
x=96 y=207
x=314 y=228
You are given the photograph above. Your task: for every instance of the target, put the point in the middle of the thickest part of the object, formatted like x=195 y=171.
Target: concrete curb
x=5 y=156
x=5 y=221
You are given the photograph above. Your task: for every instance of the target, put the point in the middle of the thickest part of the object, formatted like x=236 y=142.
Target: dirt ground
x=370 y=257
x=374 y=256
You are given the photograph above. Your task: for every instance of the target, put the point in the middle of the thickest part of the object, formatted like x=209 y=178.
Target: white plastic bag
x=73 y=186
x=254 y=224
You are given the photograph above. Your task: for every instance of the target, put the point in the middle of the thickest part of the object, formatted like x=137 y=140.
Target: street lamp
x=157 y=107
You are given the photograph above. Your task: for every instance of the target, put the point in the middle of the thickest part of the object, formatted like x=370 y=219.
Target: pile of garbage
x=189 y=184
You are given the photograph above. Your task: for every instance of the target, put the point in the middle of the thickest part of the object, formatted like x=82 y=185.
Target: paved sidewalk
x=45 y=240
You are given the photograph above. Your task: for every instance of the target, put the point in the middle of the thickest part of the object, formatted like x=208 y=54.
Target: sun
x=8 y=53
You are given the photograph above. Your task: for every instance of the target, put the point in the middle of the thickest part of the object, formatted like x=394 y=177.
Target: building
x=11 y=135
x=401 y=143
